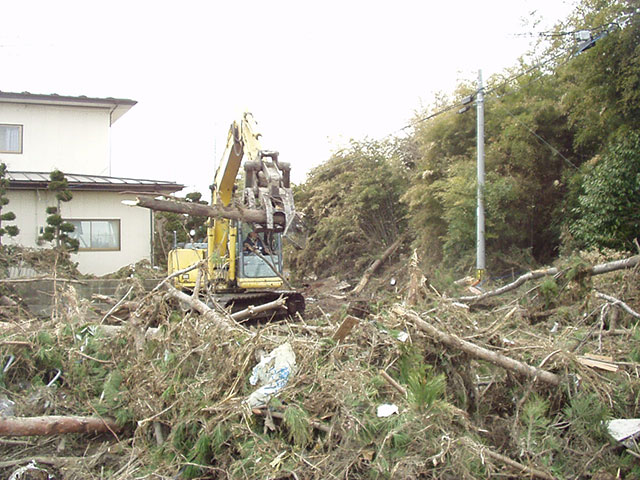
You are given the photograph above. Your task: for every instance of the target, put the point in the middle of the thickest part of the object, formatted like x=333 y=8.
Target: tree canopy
x=562 y=155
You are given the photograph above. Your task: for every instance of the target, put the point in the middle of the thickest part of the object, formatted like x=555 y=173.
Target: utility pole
x=480 y=254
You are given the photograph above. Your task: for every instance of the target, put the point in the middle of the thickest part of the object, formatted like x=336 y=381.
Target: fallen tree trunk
x=198 y=209
x=376 y=265
x=478 y=352
x=595 y=270
x=55 y=425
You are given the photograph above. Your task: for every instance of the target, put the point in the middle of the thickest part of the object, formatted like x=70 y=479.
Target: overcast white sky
x=313 y=74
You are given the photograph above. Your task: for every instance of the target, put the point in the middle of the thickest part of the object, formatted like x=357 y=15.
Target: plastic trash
x=22 y=473
x=387 y=409
x=624 y=431
x=272 y=374
x=6 y=407
x=403 y=336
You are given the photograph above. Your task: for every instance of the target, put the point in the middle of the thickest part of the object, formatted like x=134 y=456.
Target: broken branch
x=595 y=270
x=200 y=307
x=178 y=273
x=475 y=351
x=280 y=416
x=376 y=265
x=618 y=303
x=516 y=465
x=252 y=311
x=117 y=305
x=393 y=383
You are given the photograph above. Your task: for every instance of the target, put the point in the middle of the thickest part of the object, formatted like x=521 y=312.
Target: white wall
x=71 y=139
x=135 y=225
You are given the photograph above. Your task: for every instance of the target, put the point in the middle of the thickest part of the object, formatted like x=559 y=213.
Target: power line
x=618 y=22
x=553 y=149
x=487 y=92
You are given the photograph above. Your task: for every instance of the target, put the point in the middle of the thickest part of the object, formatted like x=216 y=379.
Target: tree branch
x=595 y=270
x=476 y=351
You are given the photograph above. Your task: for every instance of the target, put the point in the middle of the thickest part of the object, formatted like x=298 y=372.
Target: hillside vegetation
x=562 y=152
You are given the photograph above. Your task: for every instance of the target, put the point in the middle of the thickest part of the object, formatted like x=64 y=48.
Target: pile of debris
x=539 y=378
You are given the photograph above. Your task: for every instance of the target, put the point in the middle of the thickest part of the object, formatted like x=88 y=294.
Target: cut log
x=376 y=265
x=198 y=209
x=252 y=311
x=595 y=270
x=478 y=352
x=55 y=425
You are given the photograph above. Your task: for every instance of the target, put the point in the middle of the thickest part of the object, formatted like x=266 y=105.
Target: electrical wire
x=551 y=147
x=509 y=80
x=617 y=22
x=487 y=92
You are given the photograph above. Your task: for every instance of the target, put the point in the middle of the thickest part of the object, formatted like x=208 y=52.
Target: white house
x=41 y=133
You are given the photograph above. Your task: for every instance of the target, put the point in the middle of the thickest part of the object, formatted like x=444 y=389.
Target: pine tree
x=11 y=230
x=57 y=230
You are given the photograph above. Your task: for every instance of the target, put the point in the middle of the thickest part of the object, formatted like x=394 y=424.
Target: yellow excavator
x=244 y=263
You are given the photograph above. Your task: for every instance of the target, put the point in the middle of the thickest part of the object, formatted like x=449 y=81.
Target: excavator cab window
x=260 y=252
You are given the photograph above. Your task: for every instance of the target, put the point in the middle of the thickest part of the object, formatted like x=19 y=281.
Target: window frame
x=90 y=249
x=21 y=134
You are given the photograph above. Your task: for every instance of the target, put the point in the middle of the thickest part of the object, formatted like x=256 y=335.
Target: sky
x=314 y=74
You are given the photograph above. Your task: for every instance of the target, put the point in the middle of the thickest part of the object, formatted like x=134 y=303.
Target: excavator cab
x=259 y=263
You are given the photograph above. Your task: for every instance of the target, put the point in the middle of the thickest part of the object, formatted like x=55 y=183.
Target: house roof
x=117 y=106
x=40 y=180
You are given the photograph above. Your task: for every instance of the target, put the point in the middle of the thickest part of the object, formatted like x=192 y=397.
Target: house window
x=97 y=234
x=10 y=138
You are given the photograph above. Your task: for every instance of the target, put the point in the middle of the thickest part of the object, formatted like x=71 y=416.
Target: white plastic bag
x=272 y=374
